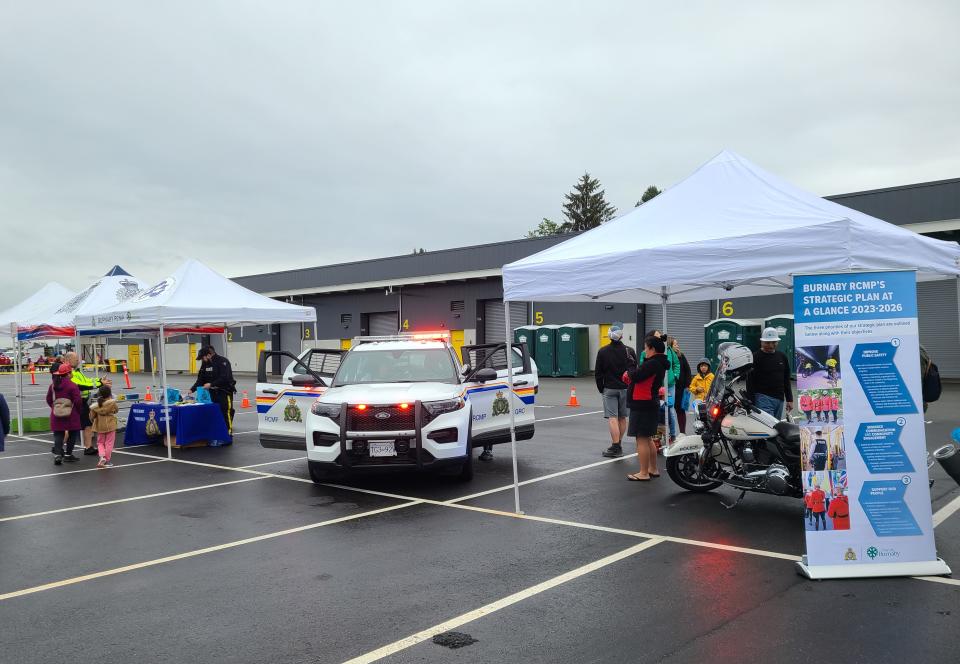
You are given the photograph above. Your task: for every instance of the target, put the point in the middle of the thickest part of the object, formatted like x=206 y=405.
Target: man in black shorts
x=643 y=398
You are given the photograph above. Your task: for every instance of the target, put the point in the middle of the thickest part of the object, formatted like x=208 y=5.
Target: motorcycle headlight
x=445 y=406
x=331 y=410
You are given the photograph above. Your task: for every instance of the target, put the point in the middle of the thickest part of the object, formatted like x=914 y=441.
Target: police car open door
x=489 y=400
x=282 y=406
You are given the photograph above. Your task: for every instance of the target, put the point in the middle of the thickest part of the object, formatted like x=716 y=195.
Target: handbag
x=203 y=395
x=62 y=407
x=685 y=401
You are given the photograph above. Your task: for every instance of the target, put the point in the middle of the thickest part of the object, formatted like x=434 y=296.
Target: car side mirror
x=303 y=380
x=484 y=375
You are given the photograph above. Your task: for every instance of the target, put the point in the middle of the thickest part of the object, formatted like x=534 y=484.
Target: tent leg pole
x=226 y=351
x=18 y=350
x=513 y=422
x=663 y=309
x=165 y=405
x=153 y=363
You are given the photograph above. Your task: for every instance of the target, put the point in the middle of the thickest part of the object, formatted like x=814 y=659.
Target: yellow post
x=261 y=346
x=345 y=344
x=192 y=357
x=456 y=340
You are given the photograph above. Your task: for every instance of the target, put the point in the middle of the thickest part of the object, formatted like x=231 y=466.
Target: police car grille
x=374 y=419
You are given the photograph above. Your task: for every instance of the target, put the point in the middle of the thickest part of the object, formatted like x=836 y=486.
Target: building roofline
x=433 y=252
x=902 y=187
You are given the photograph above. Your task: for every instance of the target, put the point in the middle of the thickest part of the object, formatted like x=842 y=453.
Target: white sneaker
x=101 y=463
x=108 y=464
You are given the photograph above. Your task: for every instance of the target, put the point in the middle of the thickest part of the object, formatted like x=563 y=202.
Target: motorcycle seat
x=788 y=431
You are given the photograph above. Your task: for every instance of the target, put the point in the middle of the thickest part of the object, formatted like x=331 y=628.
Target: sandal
x=654 y=475
x=636 y=478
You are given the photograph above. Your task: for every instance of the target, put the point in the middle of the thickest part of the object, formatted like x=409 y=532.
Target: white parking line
x=944 y=512
x=20 y=456
x=196 y=552
x=563 y=417
x=128 y=500
x=493 y=607
x=270 y=463
x=84 y=470
x=534 y=480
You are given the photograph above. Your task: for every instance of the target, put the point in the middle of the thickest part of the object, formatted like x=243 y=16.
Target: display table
x=190 y=424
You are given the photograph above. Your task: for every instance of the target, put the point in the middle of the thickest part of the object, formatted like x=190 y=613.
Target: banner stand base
x=820 y=572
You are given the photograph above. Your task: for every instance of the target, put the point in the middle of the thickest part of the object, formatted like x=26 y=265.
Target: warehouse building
x=460 y=291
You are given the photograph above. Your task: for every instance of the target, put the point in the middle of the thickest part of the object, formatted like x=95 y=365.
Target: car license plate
x=383 y=449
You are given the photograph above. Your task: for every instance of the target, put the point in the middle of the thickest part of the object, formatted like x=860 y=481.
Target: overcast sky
x=270 y=135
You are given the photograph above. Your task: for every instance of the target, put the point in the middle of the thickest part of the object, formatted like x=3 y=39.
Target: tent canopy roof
x=42 y=303
x=195 y=294
x=117 y=271
x=104 y=293
x=729 y=226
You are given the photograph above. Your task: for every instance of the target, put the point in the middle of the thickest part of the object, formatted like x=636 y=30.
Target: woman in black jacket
x=643 y=397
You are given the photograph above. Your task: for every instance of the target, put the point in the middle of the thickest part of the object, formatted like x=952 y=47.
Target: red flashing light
x=404 y=406
x=715 y=411
x=431 y=336
x=361 y=406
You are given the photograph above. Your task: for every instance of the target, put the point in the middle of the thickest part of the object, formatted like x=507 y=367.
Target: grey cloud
x=265 y=136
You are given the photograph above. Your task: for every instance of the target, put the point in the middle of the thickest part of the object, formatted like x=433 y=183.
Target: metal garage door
x=383 y=323
x=939 y=334
x=493 y=328
x=685 y=321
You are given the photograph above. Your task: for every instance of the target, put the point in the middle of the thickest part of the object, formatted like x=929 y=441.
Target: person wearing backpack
x=63 y=397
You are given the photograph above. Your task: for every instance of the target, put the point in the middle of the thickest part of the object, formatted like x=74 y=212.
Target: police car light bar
x=411 y=336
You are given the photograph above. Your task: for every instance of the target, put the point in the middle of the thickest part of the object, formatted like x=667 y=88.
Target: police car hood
x=390 y=393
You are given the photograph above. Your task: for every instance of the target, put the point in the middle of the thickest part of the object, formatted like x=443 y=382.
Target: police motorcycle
x=736 y=444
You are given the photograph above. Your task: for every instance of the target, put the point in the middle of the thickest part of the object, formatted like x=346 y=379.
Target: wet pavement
x=206 y=560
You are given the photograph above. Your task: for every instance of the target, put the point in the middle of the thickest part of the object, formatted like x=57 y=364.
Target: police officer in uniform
x=216 y=375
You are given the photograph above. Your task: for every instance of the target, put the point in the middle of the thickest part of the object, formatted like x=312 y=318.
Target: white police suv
x=402 y=402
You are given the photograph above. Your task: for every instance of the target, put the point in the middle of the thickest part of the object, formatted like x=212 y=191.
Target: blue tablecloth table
x=188 y=423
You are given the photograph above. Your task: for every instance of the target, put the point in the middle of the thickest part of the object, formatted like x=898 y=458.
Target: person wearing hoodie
x=613 y=360
x=104 y=417
x=671 y=382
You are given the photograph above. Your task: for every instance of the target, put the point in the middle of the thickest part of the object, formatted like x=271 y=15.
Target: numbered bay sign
x=863 y=461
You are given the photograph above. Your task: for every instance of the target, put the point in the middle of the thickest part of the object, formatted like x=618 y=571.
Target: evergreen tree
x=648 y=194
x=545 y=229
x=586 y=206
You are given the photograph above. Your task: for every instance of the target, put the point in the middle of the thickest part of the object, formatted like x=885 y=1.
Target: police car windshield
x=409 y=365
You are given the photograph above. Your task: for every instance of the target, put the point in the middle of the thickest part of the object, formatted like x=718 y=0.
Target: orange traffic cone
x=246 y=400
x=126 y=376
x=573 y=403
x=148 y=396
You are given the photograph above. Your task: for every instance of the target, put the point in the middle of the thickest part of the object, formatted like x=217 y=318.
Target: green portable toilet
x=527 y=334
x=546 y=350
x=725 y=330
x=573 y=350
x=783 y=324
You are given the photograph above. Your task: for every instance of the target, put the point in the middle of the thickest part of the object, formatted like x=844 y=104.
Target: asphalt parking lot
x=232 y=554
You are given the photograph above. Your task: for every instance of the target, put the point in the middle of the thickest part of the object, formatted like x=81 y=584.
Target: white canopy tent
x=42 y=303
x=729 y=226
x=194 y=295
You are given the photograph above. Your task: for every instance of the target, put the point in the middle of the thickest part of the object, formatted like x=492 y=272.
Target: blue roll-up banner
x=862 y=442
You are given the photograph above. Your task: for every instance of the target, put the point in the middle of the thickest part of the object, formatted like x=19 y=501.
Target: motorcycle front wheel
x=685 y=471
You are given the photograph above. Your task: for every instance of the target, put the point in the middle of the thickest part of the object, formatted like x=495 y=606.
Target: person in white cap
x=613 y=360
x=768 y=385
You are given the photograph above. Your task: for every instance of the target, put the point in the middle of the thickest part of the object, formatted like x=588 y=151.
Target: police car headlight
x=445 y=406
x=331 y=410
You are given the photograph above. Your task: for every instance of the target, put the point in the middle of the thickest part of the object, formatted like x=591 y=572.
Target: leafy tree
x=586 y=206
x=648 y=194
x=545 y=229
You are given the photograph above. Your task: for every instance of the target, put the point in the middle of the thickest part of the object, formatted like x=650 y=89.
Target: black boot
x=614 y=451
